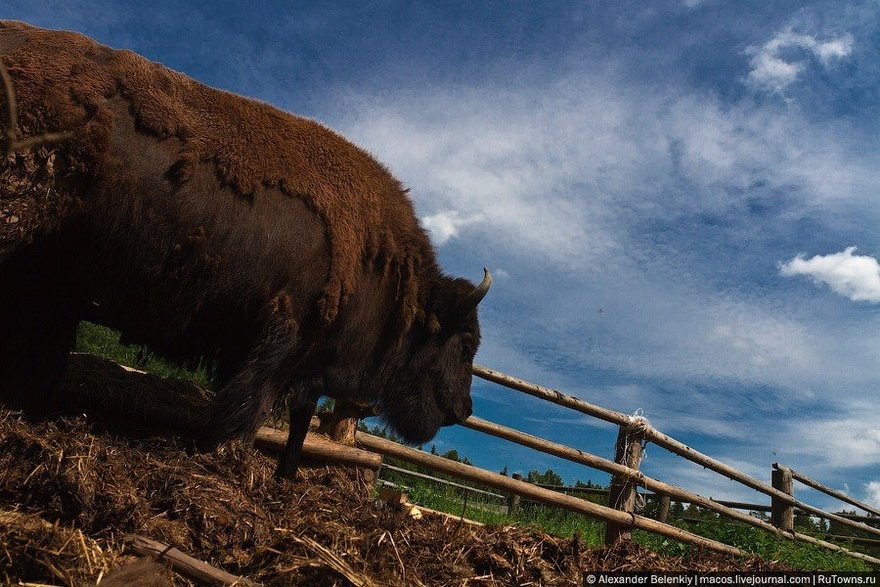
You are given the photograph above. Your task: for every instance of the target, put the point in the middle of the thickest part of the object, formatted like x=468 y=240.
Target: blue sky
x=669 y=194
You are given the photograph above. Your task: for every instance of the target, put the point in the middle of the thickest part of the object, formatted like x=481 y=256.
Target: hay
x=68 y=490
x=45 y=552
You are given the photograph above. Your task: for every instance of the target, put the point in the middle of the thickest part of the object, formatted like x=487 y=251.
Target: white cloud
x=772 y=70
x=841 y=442
x=872 y=490
x=854 y=276
x=446 y=224
x=566 y=173
x=561 y=170
x=573 y=176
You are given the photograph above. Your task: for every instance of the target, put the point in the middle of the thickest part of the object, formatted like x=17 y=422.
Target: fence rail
x=528 y=490
x=626 y=476
x=621 y=517
x=827 y=490
x=655 y=436
x=446 y=482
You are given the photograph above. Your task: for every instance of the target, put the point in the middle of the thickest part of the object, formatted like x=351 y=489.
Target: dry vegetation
x=69 y=494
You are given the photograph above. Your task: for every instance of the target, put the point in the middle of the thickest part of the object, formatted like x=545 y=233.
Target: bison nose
x=460 y=412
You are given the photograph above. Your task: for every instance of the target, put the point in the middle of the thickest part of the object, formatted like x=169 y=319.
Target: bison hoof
x=286 y=469
x=207 y=443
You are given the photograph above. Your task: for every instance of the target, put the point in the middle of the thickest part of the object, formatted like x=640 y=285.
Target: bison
x=213 y=227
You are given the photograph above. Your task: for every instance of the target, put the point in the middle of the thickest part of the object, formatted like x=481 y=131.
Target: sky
x=678 y=200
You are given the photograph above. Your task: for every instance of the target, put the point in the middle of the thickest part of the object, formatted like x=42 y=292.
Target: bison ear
x=470 y=301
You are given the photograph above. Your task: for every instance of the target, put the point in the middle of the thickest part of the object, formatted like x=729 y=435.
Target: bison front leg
x=301 y=405
x=243 y=402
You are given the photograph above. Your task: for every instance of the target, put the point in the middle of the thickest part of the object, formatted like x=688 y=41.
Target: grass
x=493 y=511
x=105 y=342
x=98 y=340
x=798 y=555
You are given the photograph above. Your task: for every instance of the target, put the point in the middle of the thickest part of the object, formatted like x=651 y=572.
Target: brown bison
x=211 y=226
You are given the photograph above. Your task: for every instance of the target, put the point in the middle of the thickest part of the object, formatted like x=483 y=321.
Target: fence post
x=663 y=509
x=781 y=513
x=622 y=494
x=341 y=424
x=513 y=499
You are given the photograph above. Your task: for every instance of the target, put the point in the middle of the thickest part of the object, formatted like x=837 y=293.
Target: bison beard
x=210 y=226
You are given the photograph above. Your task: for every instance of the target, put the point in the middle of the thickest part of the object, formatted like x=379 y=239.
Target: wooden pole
x=318 y=448
x=663 y=508
x=183 y=564
x=603 y=491
x=440 y=481
x=739 y=505
x=628 y=452
x=858 y=518
x=853 y=539
x=596 y=462
x=825 y=544
x=341 y=424
x=827 y=490
x=539 y=494
x=782 y=514
x=658 y=438
x=552 y=395
x=513 y=500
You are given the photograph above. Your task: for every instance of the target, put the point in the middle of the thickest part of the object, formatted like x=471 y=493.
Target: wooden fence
x=620 y=515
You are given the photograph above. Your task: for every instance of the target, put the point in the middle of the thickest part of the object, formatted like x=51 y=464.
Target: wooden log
x=867 y=519
x=343 y=431
x=140 y=573
x=782 y=514
x=663 y=508
x=448 y=516
x=739 y=505
x=622 y=494
x=825 y=544
x=141 y=401
x=441 y=481
x=393 y=497
x=539 y=494
x=513 y=500
x=552 y=395
x=596 y=462
x=183 y=564
x=658 y=438
x=602 y=491
x=829 y=491
x=319 y=448
x=853 y=539
x=341 y=424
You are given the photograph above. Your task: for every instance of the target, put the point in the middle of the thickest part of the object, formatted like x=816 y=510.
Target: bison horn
x=476 y=296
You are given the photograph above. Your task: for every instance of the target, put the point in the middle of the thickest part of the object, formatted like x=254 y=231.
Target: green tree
x=676 y=509
x=452 y=455
x=548 y=477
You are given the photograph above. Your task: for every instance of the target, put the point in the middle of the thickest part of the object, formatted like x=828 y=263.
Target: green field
x=798 y=555
x=490 y=510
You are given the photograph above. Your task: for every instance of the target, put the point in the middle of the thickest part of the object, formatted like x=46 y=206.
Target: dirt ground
x=70 y=493
x=72 y=490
